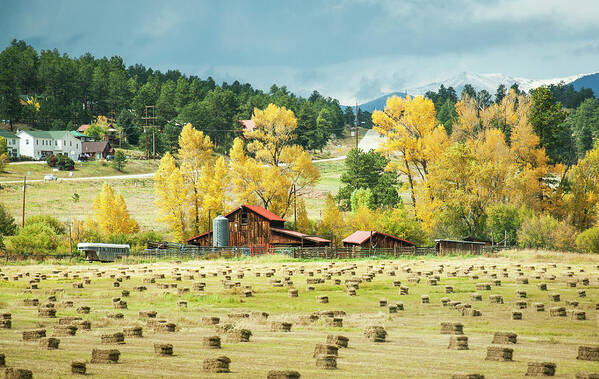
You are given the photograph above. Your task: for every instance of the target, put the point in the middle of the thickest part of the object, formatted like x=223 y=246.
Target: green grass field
x=414 y=346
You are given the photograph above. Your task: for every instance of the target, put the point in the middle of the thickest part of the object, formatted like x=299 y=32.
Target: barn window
x=244 y=218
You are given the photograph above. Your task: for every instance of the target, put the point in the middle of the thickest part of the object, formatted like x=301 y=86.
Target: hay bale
x=458 y=343
x=211 y=342
x=163 y=349
x=425 y=299
x=64 y=330
x=277 y=326
x=238 y=335
x=165 y=327
x=557 y=312
x=452 y=328
x=31 y=302
x=339 y=341
x=147 y=314
x=322 y=299
x=121 y=304
x=84 y=309
x=404 y=290
x=579 y=315
x=471 y=312
x=555 y=297
x=78 y=368
x=2 y=360
x=82 y=324
x=498 y=353
x=588 y=353
x=293 y=292
x=496 y=299
x=327 y=362
x=539 y=307
x=516 y=315
x=33 y=335
x=209 y=321
x=259 y=316
x=467 y=376
x=521 y=294
x=283 y=374
x=49 y=343
x=46 y=312
x=501 y=338
x=483 y=286
x=586 y=375
x=540 y=369
x=135 y=331
x=216 y=365
x=5 y=323
x=325 y=349
x=105 y=356
x=542 y=286
x=375 y=333
x=117 y=338
x=17 y=373
x=476 y=297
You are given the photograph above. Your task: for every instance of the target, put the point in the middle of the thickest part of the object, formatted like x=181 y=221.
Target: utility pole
x=357 y=133
x=24 y=187
x=294 y=207
x=149 y=119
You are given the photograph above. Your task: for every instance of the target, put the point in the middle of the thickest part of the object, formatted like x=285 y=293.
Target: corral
x=349 y=336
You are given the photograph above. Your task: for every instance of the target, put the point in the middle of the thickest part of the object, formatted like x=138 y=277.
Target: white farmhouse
x=38 y=144
x=12 y=143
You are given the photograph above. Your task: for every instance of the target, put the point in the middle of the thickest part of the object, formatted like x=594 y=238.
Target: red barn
x=254 y=226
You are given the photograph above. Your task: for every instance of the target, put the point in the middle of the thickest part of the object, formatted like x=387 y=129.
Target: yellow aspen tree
x=111 y=213
x=333 y=221
x=214 y=185
x=582 y=199
x=278 y=167
x=195 y=151
x=303 y=223
x=414 y=138
x=170 y=194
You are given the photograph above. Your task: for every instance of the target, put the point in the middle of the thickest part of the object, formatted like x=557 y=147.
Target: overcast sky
x=348 y=49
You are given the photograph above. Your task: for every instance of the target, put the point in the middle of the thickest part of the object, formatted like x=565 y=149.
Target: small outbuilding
x=458 y=247
x=373 y=239
x=97 y=149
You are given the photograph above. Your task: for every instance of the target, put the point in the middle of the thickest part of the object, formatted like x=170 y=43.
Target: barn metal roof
x=360 y=236
x=259 y=210
x=300 y=235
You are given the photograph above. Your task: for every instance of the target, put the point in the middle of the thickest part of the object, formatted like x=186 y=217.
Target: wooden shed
x=458 y=247
x=253 y=226
x=367 y=239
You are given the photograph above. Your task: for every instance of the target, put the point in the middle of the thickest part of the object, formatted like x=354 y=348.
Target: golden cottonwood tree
x=333 y=221
x=303 y=223
x=195 y=153
x=277 y=167
x=111 y=214
x=414 y=138
x=170 y=195
x=583 y=198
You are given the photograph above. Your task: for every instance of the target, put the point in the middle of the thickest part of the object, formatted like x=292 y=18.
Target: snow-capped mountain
x=488 y=82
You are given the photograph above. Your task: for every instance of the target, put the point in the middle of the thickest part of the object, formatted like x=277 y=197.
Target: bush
x=545 y=232
x=61 y=162
x=588 y=241
x=33 y=239
x=57 y=226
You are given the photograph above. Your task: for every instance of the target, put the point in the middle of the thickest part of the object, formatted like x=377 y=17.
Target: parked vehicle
x=49 y=177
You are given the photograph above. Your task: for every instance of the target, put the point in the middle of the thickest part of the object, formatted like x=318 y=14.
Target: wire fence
x=164 y=251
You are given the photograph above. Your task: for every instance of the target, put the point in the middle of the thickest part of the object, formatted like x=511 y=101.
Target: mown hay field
x=191 y=294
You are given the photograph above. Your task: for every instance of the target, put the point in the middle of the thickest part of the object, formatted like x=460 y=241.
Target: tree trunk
x=409 y=174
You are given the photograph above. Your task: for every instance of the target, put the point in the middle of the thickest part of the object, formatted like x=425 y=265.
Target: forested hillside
x=73 y=91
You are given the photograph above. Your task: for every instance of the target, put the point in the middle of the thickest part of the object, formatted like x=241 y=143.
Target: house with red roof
x=373 y=239
x=255 y=226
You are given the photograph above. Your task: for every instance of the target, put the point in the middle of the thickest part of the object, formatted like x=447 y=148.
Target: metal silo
x=220 y=227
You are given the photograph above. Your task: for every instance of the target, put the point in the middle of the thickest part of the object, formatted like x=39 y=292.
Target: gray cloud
x=349 y=49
